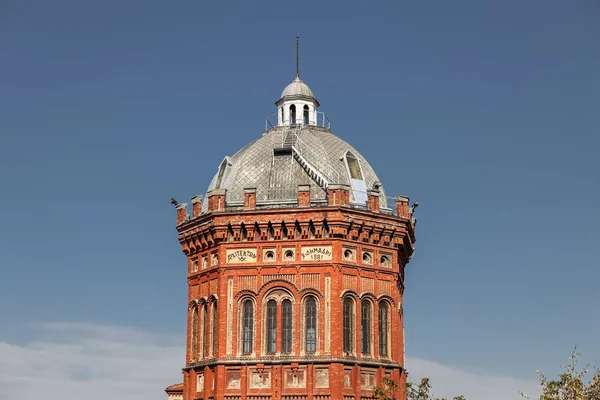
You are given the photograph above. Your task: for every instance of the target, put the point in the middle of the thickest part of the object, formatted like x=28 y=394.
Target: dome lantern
x=297 y=104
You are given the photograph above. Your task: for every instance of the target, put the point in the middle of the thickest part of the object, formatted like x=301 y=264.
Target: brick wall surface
x=308 y=246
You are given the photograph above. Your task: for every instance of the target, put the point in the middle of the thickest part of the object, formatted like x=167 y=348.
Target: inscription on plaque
x=241 y=256
x=316 y=253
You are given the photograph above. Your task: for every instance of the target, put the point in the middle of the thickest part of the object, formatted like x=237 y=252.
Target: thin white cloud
x=447 y=382
x=97 y=362
x=74 y=361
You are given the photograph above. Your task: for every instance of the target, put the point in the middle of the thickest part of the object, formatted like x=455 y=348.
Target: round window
x=289 y=255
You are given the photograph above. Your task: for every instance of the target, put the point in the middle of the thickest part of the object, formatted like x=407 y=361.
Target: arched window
x=195 y=332
x=248 y=326
x=305 y=115
x=213 y=344
x=348 y=325
x=311 y=325
x=292 y=114
x=269 y=256
x=385 y=261
x=286 y=325
x=288 y=255
x=383 y=329
x=271 y=326
x=365 y=326
x=203 y=332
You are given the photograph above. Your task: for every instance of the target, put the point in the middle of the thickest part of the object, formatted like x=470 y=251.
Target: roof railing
x=320 y=119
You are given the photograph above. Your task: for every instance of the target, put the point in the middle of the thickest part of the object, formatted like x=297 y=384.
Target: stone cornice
x=255 y=226
x=283 y=359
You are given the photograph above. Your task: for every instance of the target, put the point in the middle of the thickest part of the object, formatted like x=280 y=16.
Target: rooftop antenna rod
x=298 y=57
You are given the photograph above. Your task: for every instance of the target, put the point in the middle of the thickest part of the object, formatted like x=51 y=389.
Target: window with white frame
x=310 y=325
x=247 y=326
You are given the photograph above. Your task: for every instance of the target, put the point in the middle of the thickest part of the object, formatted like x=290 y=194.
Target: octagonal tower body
x=295 y=269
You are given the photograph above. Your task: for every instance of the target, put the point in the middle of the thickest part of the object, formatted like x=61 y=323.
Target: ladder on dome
x=291 y=143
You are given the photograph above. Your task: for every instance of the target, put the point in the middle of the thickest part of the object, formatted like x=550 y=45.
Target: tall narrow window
x=271 y=326
x=305 y=115
x=383 y=329
x=203 y=331
x=286 y=325
x=195 y=332
x=213 y=344
x=365 y=323
x=348 y=325
x=292 y=115
x=311 y=325
x=248 y=325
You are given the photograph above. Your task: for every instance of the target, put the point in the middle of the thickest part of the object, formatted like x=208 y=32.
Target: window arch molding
x=350 y=293
x=241 y=316
x=244 y=293
x=277 y=294
x=266 y=288
x=313 y=291
x=385 y=297
x=310 y=305
x=212 y=298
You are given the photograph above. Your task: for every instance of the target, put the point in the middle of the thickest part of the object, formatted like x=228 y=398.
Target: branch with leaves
x=571 y=384
x=422 y=391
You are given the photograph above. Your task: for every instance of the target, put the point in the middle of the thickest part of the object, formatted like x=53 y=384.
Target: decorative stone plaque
x=260 y=380
x=233 y=379
x=200 y=383
x=316 y=253
x=295 y=378
x=322 y=378
x=347 y=378
x=241 y=256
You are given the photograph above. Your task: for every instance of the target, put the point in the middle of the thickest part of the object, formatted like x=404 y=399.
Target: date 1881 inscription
x=319 y=253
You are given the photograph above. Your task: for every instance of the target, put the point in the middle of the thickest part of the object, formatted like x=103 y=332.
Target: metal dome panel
x=269 y=165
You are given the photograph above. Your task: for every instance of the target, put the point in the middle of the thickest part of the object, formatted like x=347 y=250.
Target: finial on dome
x=297 y=57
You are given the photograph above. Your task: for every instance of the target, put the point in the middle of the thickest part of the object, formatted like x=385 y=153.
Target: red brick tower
x=295 y=269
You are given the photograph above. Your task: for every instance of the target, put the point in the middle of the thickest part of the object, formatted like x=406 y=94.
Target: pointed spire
x=297 y=57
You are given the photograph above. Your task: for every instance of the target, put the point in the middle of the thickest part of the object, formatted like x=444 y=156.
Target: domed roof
x=297 y=88
x=284 y=158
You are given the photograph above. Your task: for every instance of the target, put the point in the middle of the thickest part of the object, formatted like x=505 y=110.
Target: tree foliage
x=571 y=384
x=422 y=391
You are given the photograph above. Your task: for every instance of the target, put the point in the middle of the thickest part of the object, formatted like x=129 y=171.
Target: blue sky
x=485 y=112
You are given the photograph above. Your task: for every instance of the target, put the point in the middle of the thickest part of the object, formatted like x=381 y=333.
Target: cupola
x=297 y=105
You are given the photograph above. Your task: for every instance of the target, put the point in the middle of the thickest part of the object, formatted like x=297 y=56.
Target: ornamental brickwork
x=299 y=303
